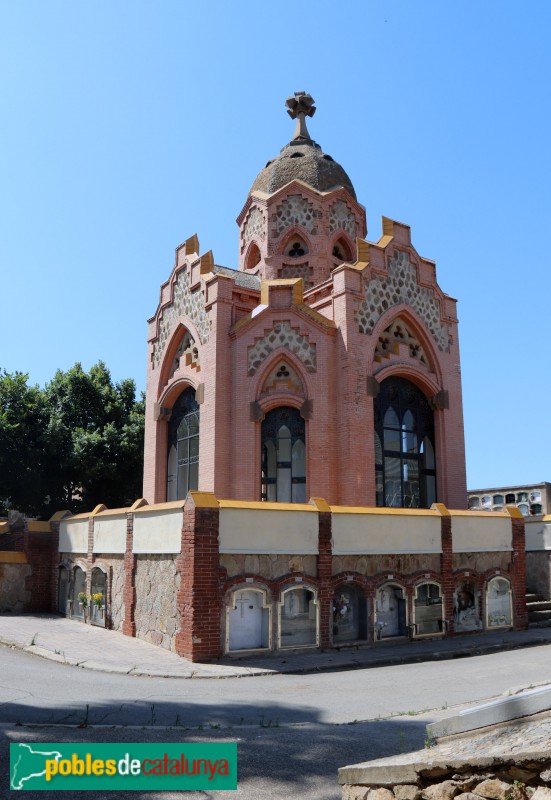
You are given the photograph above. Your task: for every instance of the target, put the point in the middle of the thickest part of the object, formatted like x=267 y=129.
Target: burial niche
x=97 y=596
x=390 y=612
x=298 y=625
x=427 y=610
x=498 y=603
x=248 y=621
x=349 y=615
x=466 y=607
x=80 y=599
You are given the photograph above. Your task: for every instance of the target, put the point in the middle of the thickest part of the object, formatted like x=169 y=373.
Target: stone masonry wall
x=116 y=564
x=510 y=761
x=370 y=565
x=481 y=562
x=538 y=572
x=270 y=566
x=157 y=584
x=13 y=596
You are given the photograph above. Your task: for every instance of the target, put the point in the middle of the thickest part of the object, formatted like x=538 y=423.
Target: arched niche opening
x=248 y=620
x=98 y=596
x=428 y=607
x=349 y=615
x=390 y=611
x=298 y=618
x=80 y=598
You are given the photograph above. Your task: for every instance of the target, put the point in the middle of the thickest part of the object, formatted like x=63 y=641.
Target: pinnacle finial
x=299 y=107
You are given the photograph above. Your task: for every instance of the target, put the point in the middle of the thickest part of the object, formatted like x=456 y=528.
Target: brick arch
x=256 y=385
x=296 y=230
x=419 y=330
x=337 y=235
x=170 y=351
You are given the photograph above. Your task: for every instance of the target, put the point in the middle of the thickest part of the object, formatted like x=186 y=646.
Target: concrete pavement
x=90 y=647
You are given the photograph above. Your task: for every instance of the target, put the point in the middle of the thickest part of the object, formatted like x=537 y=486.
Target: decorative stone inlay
x=302 y=271
x=295 y=210
x=156 y=615
x=340 y=216
x=283 y=378
x=185 y=303
x=283 y=335
x=400 y=286
x=254 y=226
x=186 y=354
x=398 y=333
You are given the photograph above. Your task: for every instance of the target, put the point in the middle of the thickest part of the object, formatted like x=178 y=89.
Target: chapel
x=304 y=477
x=325 y=365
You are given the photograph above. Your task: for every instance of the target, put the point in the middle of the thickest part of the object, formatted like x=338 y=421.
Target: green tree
x=23 y=421
x=89 y=442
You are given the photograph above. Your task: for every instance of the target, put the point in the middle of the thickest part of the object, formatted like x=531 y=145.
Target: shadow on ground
x=275 y=761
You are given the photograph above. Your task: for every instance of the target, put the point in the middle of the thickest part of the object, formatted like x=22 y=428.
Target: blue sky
x=128 y=125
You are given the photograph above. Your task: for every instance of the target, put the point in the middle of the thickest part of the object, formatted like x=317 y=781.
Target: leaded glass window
x=283 y=456
x=404 y=446
x=183 y=447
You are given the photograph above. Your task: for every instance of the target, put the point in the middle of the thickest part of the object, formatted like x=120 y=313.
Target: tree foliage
x=73 y=444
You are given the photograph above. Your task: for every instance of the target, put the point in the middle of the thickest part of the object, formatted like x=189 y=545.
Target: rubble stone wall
x=13 y=596
x=157 y=584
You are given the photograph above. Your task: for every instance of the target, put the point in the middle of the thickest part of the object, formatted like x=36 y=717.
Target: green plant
x=82 y=599
x=518 y=791
x=429 y=741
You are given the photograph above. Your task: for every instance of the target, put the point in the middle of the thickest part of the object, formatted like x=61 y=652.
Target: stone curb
x=224 y=669
x=531 y=701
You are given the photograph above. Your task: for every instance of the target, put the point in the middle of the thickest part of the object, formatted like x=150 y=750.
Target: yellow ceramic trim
x=161 y=506
x=258 y=505
x=4 y=527
x=113 y=512
x=206 y=263
x=462 y=513
x=192 y=244
x=295 y=283
x=98 y=509
x=546 y=518
x=399 y=512
x=204 y=499
x=320 y=504
x=8 y=557
x=441 y=508
x=514 y=512
x=38 y=526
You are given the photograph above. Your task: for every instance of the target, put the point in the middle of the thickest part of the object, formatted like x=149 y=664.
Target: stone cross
x=299 y=107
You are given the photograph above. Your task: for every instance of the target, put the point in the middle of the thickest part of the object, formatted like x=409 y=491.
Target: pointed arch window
x=404 y=446
x=183 y=447
x=283 y=456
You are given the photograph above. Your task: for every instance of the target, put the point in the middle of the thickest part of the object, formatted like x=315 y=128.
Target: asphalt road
x=293 y=732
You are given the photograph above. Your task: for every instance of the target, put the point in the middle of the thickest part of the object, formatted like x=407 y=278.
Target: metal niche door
x=245 y=621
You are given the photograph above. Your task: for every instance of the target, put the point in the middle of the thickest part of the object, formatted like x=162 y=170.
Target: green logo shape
x=130 y=766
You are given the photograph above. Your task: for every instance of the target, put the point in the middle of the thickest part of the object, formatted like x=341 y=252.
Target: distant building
x=532 y=500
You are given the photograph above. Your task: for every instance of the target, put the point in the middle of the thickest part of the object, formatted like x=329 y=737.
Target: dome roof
x=302 y=159
x=304 y=162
